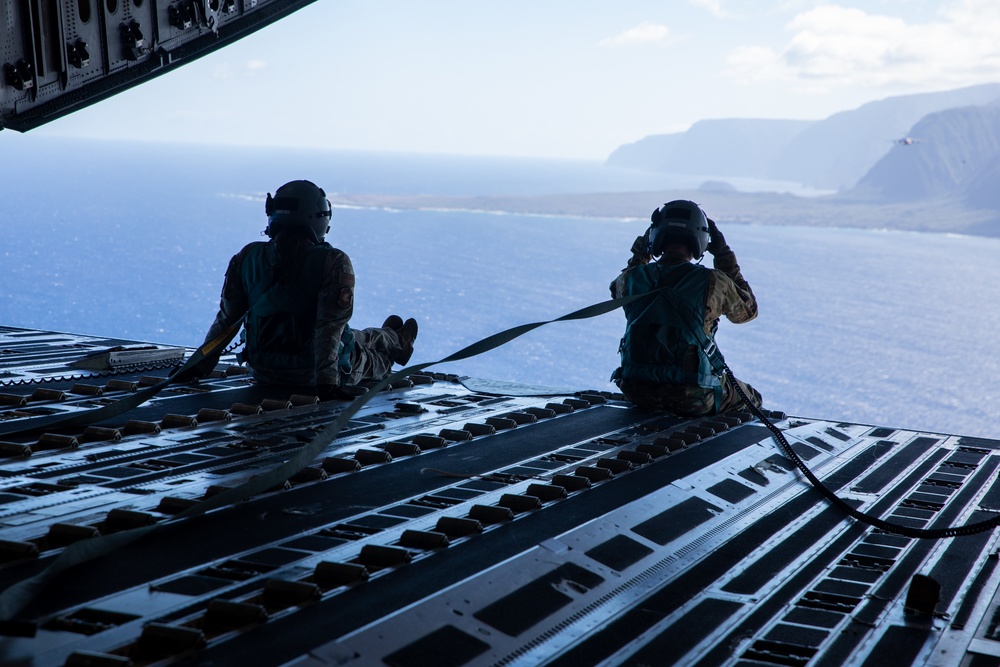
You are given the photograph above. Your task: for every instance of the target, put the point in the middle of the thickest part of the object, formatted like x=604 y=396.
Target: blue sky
x=548 y=78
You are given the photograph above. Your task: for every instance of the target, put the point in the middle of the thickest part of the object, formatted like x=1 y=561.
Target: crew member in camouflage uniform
x=300 y=294
x=666 y=362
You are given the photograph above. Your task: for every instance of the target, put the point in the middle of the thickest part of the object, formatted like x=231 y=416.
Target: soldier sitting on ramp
x=668 y=354
x=297 y=292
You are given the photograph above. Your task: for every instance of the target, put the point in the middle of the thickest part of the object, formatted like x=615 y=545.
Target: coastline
x=935 y=216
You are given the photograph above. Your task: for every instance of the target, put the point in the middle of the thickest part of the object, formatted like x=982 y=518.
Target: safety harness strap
x=711 y=350
x=123 y=405
x=691 y=322
x=707 y=344
x=20 y=594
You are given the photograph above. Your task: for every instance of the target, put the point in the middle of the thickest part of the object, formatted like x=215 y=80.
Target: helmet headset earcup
x=298 y=205
x=679 y=221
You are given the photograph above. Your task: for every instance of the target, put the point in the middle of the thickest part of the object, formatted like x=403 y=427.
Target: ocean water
x=877 y=327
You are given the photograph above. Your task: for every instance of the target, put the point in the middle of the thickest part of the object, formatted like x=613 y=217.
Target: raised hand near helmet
x=716 y=241
x=640 y=250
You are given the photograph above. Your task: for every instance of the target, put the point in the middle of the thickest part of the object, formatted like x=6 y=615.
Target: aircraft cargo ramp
x=447 y=525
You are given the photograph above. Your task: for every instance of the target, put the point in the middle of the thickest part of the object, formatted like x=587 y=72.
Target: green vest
x=659 y=335
x=280 y=326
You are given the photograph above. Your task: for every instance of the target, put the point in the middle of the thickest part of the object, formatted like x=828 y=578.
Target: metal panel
x=58 y=56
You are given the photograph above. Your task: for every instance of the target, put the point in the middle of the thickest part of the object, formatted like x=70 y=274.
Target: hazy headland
x=928 y=162
x=939 y=215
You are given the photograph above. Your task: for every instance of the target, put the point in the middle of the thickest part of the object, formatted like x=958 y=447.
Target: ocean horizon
x=875 y=327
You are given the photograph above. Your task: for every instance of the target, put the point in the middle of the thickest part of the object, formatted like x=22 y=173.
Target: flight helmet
x=679 y=221
x=301 y=205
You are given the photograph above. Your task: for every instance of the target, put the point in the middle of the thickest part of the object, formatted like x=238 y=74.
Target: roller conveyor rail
x=454 y=527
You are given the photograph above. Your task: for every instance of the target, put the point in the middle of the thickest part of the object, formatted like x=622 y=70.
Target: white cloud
x=644 y=33
x=838 y=47
x=713 y=6
x=225 y=70
x=222 y=71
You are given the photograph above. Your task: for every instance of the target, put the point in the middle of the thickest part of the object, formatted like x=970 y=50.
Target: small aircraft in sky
x=906 y=141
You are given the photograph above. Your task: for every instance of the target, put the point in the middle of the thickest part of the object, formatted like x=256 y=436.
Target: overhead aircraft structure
x=61 y=56
x=439 y=520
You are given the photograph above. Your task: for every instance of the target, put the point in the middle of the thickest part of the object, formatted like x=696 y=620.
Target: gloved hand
x=717 y=242
x=640 y=250
x=199 y=371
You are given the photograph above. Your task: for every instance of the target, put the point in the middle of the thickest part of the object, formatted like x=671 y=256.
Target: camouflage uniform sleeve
x=729 y=293
x=617 y=285
x=334 y=308
x=232 y=306
x=233 y=302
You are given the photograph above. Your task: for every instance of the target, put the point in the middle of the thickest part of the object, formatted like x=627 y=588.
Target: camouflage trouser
x=686 y=401
x=371 y=358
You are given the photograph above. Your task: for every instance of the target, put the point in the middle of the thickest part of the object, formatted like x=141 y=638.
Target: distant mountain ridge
x=727 y=147
x=836 y=153
x=956 y=155
x=982 y=190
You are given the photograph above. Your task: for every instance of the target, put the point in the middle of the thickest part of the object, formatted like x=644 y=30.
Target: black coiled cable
x=881 y=524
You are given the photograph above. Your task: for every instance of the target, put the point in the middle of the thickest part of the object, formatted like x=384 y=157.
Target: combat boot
x=407 y=334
